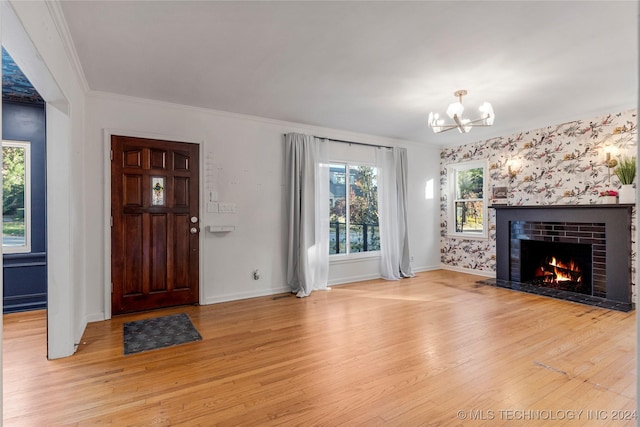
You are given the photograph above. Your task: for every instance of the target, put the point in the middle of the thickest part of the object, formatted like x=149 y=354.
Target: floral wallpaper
x=563 y=164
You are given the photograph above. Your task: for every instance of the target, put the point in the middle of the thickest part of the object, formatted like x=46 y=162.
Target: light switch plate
x=212 y=207
x=228 y=208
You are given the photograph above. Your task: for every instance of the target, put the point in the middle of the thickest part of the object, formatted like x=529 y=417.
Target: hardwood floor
x=434 y=350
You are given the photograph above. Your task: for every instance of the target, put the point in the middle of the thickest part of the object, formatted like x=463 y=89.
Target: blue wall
x=25 y=275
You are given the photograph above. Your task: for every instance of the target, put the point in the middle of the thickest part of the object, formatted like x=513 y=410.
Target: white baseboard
x=490 y=274
x=77 y=340
x=426 y=268
x=246 y=295
x=351 y=279
x=95 y=317
x=360 y=278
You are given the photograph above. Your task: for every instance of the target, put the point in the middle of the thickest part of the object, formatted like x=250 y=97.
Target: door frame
x=62 y=302
x=107 y=133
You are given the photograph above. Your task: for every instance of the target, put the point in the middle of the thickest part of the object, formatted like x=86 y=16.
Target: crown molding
x=60 y=22
x=319 y=131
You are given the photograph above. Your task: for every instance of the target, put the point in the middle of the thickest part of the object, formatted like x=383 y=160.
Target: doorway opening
x=24 y=213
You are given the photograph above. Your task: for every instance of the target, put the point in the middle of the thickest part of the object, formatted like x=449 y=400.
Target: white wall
x=242 y=160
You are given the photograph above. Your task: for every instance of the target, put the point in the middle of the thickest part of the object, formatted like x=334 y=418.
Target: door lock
x=193 y=230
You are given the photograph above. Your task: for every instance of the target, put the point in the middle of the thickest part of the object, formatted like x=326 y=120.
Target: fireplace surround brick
x=563 y=232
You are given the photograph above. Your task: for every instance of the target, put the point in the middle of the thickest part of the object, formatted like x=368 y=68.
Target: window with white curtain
x=467 y=199
x=353 y=209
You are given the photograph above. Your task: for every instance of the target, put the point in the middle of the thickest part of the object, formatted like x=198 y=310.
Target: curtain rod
x=356 y=143
x=352 y=142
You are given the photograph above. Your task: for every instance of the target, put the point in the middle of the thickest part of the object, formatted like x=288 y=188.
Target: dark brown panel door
x=155 y=231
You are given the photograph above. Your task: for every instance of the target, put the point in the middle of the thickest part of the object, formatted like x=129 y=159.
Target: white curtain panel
x=308 y=213
x=388 y=215
x=402 y=172
x=395 y=259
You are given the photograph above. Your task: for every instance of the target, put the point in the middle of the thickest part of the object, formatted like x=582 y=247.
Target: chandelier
x=455 y=112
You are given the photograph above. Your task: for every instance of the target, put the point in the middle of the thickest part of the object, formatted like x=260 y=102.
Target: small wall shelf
x=221 y=228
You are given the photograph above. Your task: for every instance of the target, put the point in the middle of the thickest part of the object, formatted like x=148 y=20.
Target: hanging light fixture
x=455 y=112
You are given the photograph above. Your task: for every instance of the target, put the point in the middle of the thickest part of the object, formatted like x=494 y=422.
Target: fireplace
x=563 y=266
x=591 y=245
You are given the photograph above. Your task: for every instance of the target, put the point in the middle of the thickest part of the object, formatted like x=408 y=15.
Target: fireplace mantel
x=579 y=207
x=615 y=217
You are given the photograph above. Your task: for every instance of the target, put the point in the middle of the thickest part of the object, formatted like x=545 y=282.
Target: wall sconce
x=609 y=150
x=513 y=167
x=609 y=162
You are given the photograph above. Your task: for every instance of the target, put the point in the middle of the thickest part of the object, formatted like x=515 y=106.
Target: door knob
x=194 y=219
x=193 y=230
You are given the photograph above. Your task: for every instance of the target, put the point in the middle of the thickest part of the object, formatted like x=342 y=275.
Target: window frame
x=453 y=170
x=26 y=248
x=347 y=255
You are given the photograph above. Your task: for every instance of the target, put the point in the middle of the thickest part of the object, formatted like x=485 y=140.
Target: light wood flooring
x=434 y=350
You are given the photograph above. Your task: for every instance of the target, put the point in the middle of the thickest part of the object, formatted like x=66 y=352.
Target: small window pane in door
x=157 y=195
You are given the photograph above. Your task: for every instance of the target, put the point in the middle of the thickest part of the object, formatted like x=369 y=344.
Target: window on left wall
x=16 y=196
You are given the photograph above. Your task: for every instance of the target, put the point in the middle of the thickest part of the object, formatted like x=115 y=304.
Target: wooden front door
x=155 y=224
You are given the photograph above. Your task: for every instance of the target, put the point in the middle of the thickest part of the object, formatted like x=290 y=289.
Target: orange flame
x=561 y=272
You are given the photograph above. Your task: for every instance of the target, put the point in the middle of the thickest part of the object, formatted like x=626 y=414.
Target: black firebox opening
x=563 y=266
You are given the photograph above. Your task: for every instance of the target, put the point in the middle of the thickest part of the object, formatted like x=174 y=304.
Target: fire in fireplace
x=555 y=273
x=563 y=266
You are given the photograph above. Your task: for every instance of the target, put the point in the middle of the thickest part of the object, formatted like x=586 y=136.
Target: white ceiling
x=370 y=67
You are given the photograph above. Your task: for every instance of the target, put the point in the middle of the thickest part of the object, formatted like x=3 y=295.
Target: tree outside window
x=353 y=209
x=15 y=196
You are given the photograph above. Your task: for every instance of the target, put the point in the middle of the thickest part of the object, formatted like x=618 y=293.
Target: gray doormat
x=159 y=332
